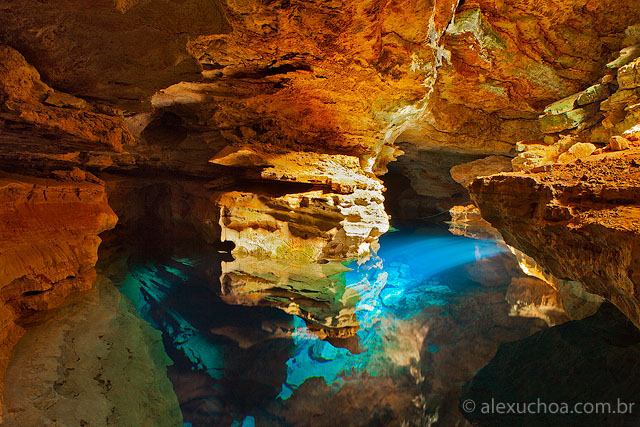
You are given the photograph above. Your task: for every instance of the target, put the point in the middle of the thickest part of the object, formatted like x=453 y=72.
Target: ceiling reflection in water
x=394 y=286
x=256 y=357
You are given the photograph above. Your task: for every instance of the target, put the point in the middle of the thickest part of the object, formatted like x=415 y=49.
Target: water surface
x=419 y=305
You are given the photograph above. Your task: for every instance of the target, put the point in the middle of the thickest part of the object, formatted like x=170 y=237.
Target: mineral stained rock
x=289 y=248
x=466 y=172
x=539 y=294
x=49 y=243
x=301 y=104
x=578 y=221
x=27 y=104
x=92 y=361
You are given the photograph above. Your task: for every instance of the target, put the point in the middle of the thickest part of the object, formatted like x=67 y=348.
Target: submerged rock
x=92 y=361
x=49 y=244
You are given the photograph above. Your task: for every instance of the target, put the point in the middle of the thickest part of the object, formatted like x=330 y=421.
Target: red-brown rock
x=48 y=245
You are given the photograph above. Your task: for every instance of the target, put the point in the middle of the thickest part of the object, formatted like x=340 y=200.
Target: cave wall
x=192 y=110
x=49 y=242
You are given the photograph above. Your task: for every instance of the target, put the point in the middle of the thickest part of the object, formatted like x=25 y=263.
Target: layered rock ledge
x=48 y=244
x=579 y=221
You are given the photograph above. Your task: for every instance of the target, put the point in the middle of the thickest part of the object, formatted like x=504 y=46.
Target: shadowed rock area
x=589 y=361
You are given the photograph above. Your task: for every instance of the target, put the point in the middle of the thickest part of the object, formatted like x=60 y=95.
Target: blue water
x=246 y=359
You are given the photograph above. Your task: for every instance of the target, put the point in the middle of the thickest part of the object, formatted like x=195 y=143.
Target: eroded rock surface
x=49 y=243
x=270 y=120
x=578 y=221
x=93 y=361
x=289 y=248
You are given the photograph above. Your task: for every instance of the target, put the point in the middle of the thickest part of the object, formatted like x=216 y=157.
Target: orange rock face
x=578 y=221
x=49 y=243
x=26 y=100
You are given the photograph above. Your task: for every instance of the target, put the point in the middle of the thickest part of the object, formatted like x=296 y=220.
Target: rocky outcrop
x=578 y=221
x=289 y=248
x=29 y=107
x=539 y=294
x=50 y=240
x=348 y=78
x=596 y=115
x=141 y=44
x=464 y=173
x=569 y=213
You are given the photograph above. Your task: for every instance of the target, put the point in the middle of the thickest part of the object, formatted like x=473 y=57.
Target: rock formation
x=49 y=244
x=576 y=220
x=570 y=211
x=289 y=248
x=269 y=124
x=91 y=361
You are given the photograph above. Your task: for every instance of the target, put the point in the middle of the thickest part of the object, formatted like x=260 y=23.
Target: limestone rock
x=618 y=143
x=567 y=120
x=289 y=247
x=50 y=240
x=92 y=361
x=593 y=94
x=467 y=221
x=27 y=101
x=341 y=173
x=467 y=172
x=61 y=99
x=629 y=75
x=142 y=44
x=571 y=222
x=582 y=149
x=563 y=106
x=288 y=251
x=627 y=55
x=539 y=294
x=530 y=297
x=351 y=78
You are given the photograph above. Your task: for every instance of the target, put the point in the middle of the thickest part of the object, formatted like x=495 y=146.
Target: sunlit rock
x=288 y=248
x=467 y=221
x=570 y=221
x=466 y=172
x=540 y=295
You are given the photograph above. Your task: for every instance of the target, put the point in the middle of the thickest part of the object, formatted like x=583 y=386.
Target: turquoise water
x=394 y=285
x=237 y=365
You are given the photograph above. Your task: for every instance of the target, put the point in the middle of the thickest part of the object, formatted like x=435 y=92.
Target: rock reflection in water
x=228 y=359
x=423 y=321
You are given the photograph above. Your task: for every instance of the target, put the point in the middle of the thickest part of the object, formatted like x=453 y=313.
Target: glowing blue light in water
x=395 y=286
x=248 y=421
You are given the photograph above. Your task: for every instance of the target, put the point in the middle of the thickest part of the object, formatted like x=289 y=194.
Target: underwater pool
x=420 y=304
